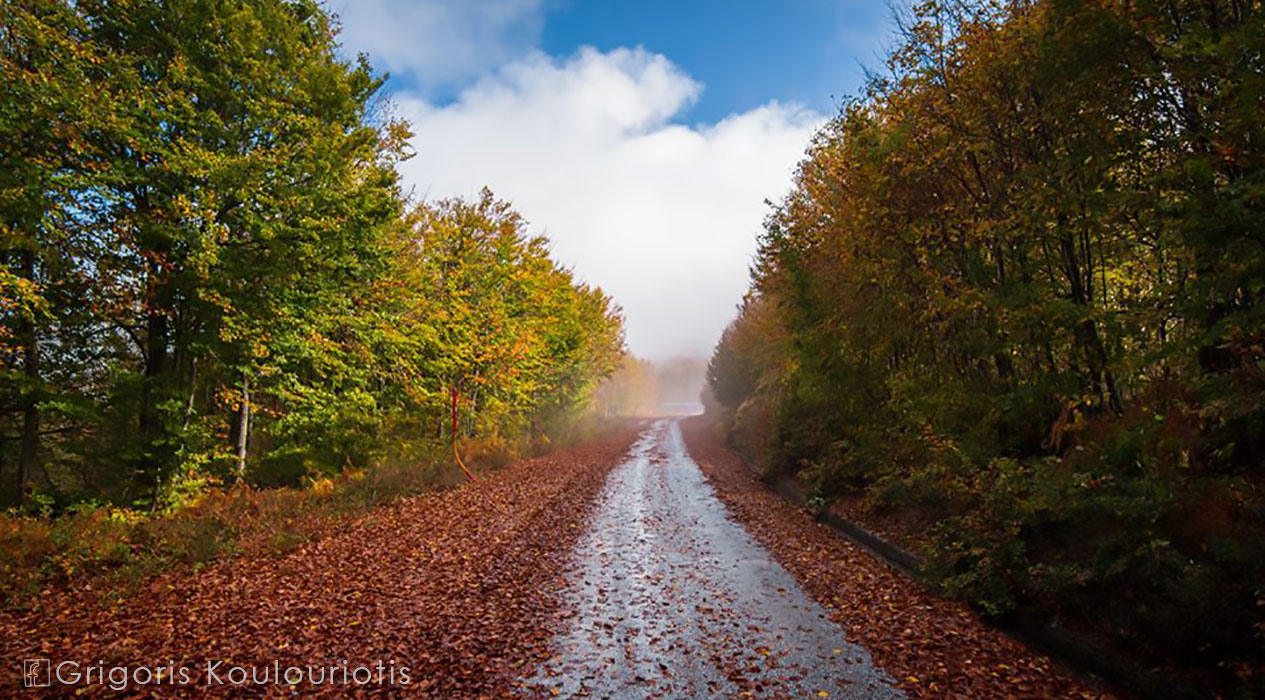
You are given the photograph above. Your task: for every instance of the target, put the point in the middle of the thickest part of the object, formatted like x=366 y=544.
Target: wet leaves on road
x=672 y=599
x=937 y=648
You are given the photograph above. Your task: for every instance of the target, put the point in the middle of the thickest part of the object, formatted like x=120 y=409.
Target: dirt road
x=673 y=599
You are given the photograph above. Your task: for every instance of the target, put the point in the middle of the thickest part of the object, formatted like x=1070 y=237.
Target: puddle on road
x=672 y=599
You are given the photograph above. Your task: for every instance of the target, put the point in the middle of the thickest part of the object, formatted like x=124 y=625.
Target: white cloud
x=662 y=216
x=434 y=43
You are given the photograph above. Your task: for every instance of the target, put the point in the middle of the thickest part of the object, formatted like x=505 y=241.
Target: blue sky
x=643 y=138
x=745 y=53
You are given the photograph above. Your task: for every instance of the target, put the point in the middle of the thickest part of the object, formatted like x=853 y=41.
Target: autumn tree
x=1016 y=290
x=505 y=327
x=212 y=275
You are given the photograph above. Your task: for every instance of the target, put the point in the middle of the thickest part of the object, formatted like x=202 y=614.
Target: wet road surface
x=672 y=599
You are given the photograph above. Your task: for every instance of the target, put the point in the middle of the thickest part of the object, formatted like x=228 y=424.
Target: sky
x=642 y=137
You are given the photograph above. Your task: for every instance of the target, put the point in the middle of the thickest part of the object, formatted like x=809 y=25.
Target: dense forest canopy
x=212 y=274
x=1017 y=289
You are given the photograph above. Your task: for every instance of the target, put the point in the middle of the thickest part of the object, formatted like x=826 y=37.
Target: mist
x=641 y=388
x=680 y=381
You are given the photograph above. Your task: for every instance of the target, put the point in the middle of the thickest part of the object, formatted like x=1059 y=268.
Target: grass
x=115 y=549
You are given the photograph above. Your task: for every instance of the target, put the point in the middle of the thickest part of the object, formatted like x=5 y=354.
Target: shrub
x=89 y=541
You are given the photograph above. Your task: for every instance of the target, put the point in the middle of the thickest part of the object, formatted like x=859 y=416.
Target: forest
x=213 y=279
x=1013 y=305
x=1010 y=315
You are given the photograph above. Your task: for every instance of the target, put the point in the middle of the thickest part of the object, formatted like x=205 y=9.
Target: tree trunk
x=193 y=387
x=151 y=423
x=1102 y=381
x=158 y=302
x=28 y=451
x=243 y=428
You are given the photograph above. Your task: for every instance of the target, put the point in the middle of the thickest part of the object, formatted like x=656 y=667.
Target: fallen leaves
x=937 y=648
x=453 y=585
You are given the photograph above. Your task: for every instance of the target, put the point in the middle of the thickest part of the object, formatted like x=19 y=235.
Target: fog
x=642 y=388
x=680 y=382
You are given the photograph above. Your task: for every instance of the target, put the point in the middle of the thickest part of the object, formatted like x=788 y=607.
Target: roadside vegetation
x=214 y=284
x=1016 y=295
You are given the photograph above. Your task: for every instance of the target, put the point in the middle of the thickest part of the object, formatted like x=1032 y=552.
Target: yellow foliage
x=322 y=486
